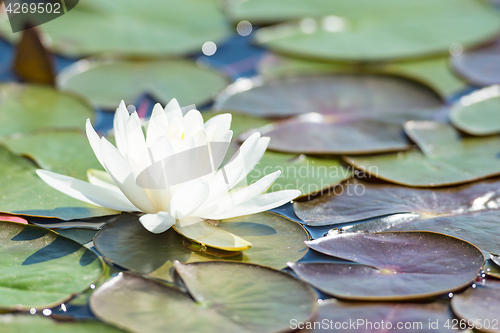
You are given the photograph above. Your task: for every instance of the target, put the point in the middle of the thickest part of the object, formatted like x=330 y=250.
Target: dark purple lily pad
x=444 y=158
x=355 y=200
x=328 y=94
x=391 y=265
x=362 y=132
x=275 y=241
x=221 y=297
x=479 y=308
x=336 y=316
x=481 y=67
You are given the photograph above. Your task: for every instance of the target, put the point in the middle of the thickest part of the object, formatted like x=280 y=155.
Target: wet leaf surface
x=10 y=323
x=106 y=83
x=152 y=28
x=24 y=193
x=435 y=72
x=478 y=113
x=480 y=306
x=445 y=158
x=492 y=269
x=495 y=258
x=225 y=298
x=392 y=265
x=27 y=108
x=41 y=269
x=275 y=241
x=480 y=67
x=326 y=94
x=372 y=36
x=364 y=317
x=65 y=152
x=356 y=200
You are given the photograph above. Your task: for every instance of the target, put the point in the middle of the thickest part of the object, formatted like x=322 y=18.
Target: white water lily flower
x=172 y=174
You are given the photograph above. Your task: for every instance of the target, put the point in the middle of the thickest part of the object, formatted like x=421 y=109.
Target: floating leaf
x=356 y=200
x=240 y=122
x=12 y=218
x=435 y=72
x=10 y=323
x=479 y=66
x=336 y=316
x=66 y=152
x=24 y=193
x=326 y=94
x=152 y=28
x=479 y=307
x=79 y=235
x=495 y=258
x=392 y=265
x=355 y=133
x=32 y=62
x=275 y=241
x=491 y=269
x=41 y=269
x=106 y=83
x=27 y=108
x=373 y=37
x=223 y=298
x=309 y=175
x=446 y=158
x=478 y=113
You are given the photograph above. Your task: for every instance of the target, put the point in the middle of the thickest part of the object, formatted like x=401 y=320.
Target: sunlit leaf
x=41 y=269
x=326 y=94
x=479 y=306
x=27 y=108
x=445 y=158
x=275 y=241
x=106 y=83
x=336 y=316
x=356 y=200
x=392 y=265
x=478 y=113
x=223 y=297
x=24 y=193
x=126 y=27
x=371 y=36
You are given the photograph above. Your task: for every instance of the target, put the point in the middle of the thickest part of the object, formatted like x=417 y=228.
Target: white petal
x=229 y=201
x=193 y=122
x=157 y=125
x=137 y=151
x=122 y=174
x=188 y=198
x=157 y=223
x=87 y=192
x=222 y=123
x=119 y=125
x=102 y=179
x=173 y=111
x=258 y=204
x=176 y=129
x=94 y=140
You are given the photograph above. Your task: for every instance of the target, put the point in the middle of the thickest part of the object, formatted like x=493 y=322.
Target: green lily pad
x=374 y=37
x=24 y=193
x=79 y=235
x=125 y=27
x=391 y=265
x=275 y=241
x=28 y=108
x=10 y=323
x=309 y=175
x=445 y=158
x=337 y=316
x=327 y=94
x=434 y=72
x=479 y=66
x=478 y=113
x=479 y=307
x=41 y=269
x=65 y=152
x=223 y=297
x=106 y=83
x=356 y=200
x=361 y=132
